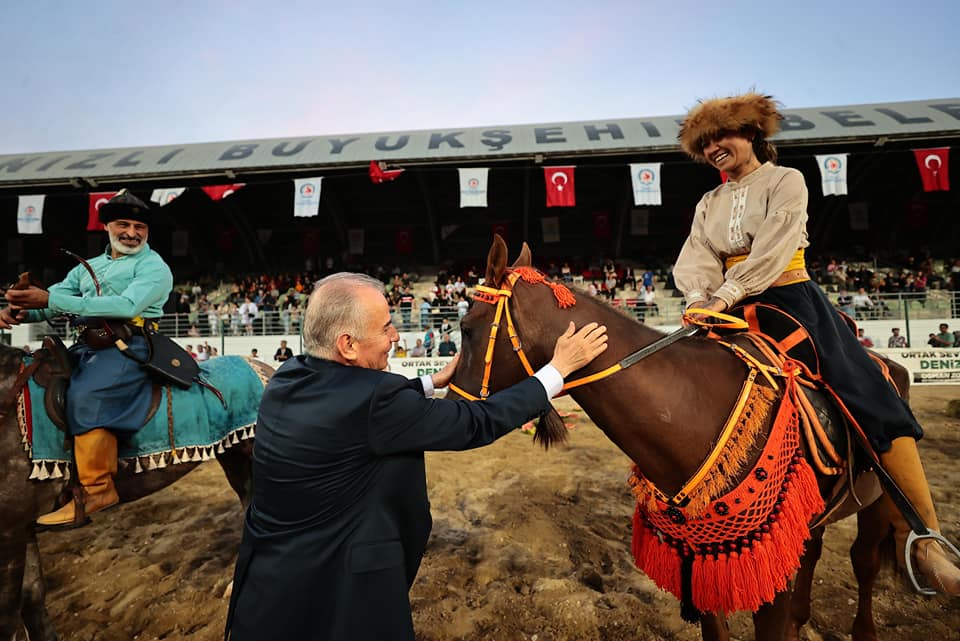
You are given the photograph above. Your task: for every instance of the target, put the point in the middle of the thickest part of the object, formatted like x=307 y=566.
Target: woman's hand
x=714 y=304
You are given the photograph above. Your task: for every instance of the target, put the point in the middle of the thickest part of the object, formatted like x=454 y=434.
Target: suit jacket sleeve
x=402 y=420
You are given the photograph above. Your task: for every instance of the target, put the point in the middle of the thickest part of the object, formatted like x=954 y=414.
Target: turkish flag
x=97 y=200
x=403 y=240
x=601 y=224
x=379 y=174
x=934 y=167
x=225 y=237
x=502 y=227
x=560 y=191
x=219 y=192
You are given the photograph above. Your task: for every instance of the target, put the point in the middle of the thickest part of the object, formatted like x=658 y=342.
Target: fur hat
x=127 y=206
x=750 y=111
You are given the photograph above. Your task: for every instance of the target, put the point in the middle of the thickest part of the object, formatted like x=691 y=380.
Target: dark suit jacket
x=340 y=517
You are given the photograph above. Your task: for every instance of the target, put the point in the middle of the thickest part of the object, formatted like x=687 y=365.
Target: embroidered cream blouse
x=764 y=215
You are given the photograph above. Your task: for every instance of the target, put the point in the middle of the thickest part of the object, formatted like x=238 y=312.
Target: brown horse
x=22 y=590
x=688 y=390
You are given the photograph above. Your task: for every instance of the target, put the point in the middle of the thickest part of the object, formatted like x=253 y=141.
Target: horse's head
x=510 y=331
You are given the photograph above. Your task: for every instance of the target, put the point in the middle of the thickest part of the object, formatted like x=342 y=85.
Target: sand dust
x=527 y=545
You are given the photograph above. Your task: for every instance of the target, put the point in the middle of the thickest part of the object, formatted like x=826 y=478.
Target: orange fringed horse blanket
x=747 y=543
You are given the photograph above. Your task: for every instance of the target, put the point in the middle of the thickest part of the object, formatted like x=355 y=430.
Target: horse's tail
x=550 y=429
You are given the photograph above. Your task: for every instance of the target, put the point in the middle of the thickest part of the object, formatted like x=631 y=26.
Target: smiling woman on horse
x=747 y=245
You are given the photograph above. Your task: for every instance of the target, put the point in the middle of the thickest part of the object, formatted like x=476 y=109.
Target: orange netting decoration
x=564 y=296
x=747 y=543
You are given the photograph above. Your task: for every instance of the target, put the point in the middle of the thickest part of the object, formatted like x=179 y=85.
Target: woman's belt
x=795 y=272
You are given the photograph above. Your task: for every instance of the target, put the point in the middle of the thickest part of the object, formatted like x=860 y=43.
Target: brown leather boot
x=96 y=455
x=902 y=462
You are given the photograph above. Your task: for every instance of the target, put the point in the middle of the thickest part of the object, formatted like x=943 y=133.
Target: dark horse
x=22 y=590
x=688 y=390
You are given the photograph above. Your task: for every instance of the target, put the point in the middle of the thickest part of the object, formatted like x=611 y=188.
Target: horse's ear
x=525 y=259
x=496 y=262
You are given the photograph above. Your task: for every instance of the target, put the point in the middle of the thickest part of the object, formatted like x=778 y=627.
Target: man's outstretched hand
x=575 y=349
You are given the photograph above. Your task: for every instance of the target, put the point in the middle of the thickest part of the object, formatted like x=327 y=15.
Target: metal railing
x=936 y=304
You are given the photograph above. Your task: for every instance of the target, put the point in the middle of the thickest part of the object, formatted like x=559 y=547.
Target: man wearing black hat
x=108 y=392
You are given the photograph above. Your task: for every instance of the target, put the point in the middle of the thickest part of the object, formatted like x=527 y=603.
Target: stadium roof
x=876 y=123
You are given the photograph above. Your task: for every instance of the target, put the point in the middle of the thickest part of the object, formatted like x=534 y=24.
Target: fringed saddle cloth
x=720 y=545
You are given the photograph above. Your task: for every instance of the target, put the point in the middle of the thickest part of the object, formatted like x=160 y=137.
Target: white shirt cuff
x=551 y=380
x=427 y=381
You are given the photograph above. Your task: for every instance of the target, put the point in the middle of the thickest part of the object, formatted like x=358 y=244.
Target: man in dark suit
x=340 y=517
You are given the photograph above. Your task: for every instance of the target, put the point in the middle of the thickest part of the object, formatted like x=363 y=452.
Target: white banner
x=640 y=222
x=833 y=174
x=646 y=183
x=306 y=197
x=415 y=366
x=165 y=196
x=550 y=226
x=930 y=365
x=355 y=240
x=30 y=215
x=473 y=187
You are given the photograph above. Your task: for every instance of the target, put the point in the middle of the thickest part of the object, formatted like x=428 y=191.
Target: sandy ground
x=526 y=545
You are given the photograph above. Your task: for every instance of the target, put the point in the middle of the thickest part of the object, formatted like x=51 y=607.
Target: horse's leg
x=237 y=462
x=873 y=526
x=34 y=610
x=770 y=621
x=13 y=552
x=800 y=603
x=713 y=627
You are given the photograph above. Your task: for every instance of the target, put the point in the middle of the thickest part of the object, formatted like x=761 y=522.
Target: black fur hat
x=125 y=205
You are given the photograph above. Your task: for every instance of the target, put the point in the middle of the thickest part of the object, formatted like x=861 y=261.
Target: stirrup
x=912 y=538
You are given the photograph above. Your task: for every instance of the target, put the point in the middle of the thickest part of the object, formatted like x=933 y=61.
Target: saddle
x=774 y=336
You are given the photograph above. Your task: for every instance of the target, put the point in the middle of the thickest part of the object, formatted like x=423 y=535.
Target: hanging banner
x=403 y=240
x=306 y=197
x=646 y=183
x=640 y=222
x=859 y=216
x=15 y=250
x=550 y=227
x=601 y=224
x=502 y=228
x=380 y=174
x=166 y=196
x=30 y=214
x=934 y=167
x=560 y=189
x=219 y=192
x=473 y=186
x=833 y=174
x=180 y=242
x=355 y=238
x=97 y=200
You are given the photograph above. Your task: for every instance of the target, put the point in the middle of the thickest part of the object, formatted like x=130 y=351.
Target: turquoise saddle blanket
x=202 y=425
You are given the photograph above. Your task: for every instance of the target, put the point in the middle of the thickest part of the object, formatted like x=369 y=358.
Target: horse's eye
x=465 y=332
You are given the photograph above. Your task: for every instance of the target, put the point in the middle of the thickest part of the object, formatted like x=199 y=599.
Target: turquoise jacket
x=134 y=285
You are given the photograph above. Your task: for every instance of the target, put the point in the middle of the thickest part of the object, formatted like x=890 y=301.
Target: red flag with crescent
x=219 y=192
x=934 y=167
x=380 y=174
x=97 y=200
x=601 y=224
x=560 y=191
x=403 y=240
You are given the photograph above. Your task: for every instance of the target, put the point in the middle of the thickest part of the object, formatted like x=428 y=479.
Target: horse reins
x=500 y=297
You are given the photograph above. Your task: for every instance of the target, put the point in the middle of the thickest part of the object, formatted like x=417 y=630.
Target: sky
x=104 y=74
